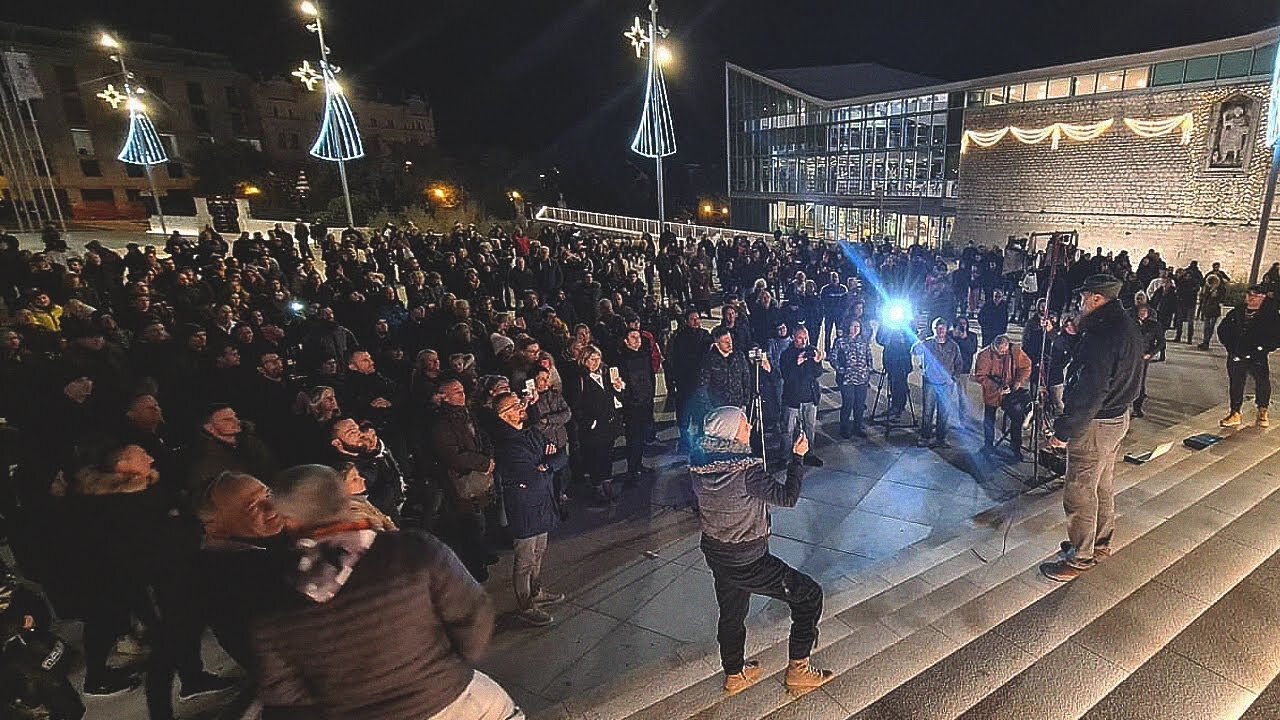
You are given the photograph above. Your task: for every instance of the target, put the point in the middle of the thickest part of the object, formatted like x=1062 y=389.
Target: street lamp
x=656 y=136
x=338 y=140
x=142 y=145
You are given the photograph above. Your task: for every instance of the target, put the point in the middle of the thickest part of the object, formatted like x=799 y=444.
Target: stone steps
x=1030 y=616
x=927 y=601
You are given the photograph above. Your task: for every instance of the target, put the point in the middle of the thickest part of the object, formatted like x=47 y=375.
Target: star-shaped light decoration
x=638 y=37
x=308 y=75
x=113 y=97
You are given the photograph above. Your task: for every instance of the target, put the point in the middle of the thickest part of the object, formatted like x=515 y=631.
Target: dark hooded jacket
x=1105 y=372
x=527 y=492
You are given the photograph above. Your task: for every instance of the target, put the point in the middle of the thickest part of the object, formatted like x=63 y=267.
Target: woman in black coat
x=635 y=363
x=594 y=394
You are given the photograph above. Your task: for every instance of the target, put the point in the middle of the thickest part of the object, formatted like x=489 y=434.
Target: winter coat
x=595 y=406
x=852 y=360
x=799 y=379
x=553 y=417
x=1211 y=298
x=527 y=492
x=996 y=372
x=939 y=362
x=685 y=352
x=726 y=380
x=636 y=368
x=206 y=457
x=734 y=494
x=397 y=639
x=1250 y=335
x=1153 y=340
x=1105 y=372
x=459 y=445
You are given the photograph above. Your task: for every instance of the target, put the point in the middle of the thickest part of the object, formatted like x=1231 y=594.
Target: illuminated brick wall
x=1120 y=191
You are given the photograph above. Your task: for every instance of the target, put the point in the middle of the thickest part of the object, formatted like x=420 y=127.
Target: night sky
x=555 y=83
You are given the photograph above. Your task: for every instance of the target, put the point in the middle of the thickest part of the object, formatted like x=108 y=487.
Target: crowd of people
x=214 y=435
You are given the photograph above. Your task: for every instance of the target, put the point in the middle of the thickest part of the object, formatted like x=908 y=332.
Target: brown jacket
x=996 y=372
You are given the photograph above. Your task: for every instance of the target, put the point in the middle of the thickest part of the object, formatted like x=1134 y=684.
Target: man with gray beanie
x=734 y=494
x=1102 y=381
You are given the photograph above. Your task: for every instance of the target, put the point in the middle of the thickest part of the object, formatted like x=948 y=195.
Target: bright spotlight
x=897 y=313
x=308 y=8
x=664 y=56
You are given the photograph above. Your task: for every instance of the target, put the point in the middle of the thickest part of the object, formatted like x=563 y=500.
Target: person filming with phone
x=734 y=494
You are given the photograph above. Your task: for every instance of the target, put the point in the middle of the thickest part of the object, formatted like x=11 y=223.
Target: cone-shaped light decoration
x=339 y=138
x=656 y=135
x=142 y=145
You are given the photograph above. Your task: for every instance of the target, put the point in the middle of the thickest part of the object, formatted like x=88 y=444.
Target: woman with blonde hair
x=595 y=394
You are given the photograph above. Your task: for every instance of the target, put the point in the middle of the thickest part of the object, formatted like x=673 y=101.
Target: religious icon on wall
x=1234 y=130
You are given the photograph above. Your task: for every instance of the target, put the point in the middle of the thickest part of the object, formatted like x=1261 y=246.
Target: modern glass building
x=862 y=151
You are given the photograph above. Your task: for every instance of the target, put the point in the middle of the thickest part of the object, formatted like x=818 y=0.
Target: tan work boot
x=803 y=676
x=750 y=675
x=1264 y=418
x=1232 y=420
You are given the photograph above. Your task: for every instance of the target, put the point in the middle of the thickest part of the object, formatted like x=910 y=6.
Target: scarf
x=327 y=559
x=716 y=456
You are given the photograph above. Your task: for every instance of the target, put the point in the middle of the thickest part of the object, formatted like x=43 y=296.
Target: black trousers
x=1238 y=370
x=1015 y=427
x=897 y=391
x=770 y=577
x=638 y=423
x=176 y=647
x=596 y=455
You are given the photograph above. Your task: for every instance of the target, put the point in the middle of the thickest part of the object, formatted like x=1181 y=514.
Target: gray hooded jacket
x=734 y=494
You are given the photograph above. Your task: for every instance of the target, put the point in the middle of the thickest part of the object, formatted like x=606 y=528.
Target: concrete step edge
x=917 y=688
x=632 y=689
x=994 y=592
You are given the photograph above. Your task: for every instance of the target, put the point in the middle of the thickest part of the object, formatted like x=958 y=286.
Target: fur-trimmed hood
x=92 y=481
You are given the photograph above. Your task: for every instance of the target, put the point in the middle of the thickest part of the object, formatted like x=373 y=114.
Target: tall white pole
x=151 y=180
x=15 y=188
x=24 y=168
x=654 y=103
x=342 y=164
x=48 y=172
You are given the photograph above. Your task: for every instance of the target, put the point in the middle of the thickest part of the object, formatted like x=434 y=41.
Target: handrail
x=636 y=226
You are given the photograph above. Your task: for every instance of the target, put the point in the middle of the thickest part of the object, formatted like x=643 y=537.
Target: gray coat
x=734 y=494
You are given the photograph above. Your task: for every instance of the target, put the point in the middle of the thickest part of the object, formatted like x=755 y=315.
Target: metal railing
x=636 y=226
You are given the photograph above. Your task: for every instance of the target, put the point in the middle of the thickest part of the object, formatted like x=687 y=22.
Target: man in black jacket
x=734 y=494
x=1103 y=380
x=801 y=366
x=1249 y=333
x=726 y=376
x=684 y=356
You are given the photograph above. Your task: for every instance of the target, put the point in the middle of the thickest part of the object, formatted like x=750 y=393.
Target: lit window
x=1086 y=84
x=1136 y=78
x=1037 y=90
x=1060 y=88
x=996 y=96
x=1111 y=81
x=1016 y=93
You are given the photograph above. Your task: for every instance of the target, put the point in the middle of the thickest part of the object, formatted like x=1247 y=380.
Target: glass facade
x=891 y=168
x=835 y=169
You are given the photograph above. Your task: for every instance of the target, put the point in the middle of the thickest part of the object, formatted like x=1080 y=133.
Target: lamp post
x=1269 y=196
x=142 y=145
x=655 y=137
x=339 y=139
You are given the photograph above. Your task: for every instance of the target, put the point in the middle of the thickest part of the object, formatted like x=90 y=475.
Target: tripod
x=755 y=414
x=884 y=419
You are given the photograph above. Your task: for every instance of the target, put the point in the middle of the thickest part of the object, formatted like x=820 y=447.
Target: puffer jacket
x=734 y=493
x=726 y=380
x=554 y=415
x=421 y=621
x=1105 y=372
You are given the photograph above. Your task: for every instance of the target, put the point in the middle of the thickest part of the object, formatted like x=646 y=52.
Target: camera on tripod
x=755 y=354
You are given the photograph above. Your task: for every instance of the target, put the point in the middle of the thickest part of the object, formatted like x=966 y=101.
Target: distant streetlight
x=515 y=195
x=664 y=56
x=109 y=42
x=707 y=208
x=308 y=8
x=724 y=211
x=142 y=144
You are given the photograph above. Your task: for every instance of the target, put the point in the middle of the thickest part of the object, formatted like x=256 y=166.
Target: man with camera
x=801 y=366
x=727 y=375
x=1102 y=382
x=1003 y=370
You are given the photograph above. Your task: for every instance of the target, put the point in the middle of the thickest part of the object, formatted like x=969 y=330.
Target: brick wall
x=1120 y=191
